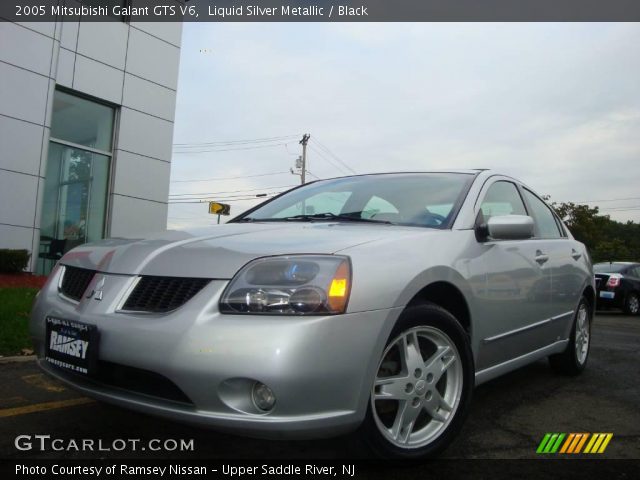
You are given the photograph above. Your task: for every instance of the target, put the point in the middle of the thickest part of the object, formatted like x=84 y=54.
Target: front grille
x=75 y=281
x=163 y=294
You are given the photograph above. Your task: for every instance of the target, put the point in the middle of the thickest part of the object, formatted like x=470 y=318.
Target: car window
x=502 y=198
x=378 y=207
x=331 y=202
x=608 y=268
x=563 y=232
x=542 y=215
x=425 y=199
x=635 y=272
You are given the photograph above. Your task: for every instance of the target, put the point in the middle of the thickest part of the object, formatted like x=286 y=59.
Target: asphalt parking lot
x=508 y=419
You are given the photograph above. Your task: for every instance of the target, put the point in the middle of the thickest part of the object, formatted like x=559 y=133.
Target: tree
x=606 y=239
x=611 y=251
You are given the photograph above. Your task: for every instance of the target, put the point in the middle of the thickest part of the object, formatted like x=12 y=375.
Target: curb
x=17 y=359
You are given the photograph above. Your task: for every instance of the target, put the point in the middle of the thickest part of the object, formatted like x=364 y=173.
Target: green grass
x=15 y=306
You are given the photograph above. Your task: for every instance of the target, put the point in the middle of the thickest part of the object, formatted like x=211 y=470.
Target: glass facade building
x=74 y=201
x=86 y=128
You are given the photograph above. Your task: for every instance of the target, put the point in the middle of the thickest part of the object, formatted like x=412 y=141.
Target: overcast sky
x=555 y=105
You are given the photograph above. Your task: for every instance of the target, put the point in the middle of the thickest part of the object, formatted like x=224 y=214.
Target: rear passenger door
x=565 y=261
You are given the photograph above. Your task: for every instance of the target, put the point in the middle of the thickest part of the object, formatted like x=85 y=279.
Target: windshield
x=609 y=267
x=416 y=199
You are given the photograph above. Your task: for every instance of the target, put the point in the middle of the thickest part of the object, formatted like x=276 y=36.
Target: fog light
x=263 y=397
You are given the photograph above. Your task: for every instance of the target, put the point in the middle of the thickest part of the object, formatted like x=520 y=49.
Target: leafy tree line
x=606 y=239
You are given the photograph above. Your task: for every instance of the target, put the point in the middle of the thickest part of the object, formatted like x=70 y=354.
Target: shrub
x=13 y=261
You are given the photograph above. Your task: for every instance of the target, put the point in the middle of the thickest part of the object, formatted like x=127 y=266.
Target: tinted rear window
x=609 y=267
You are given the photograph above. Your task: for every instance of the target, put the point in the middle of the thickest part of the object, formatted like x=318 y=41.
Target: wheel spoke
x=440 y=361
x=444 y=405
x=404 y=421
x=435 y=414
x=437 y=406
x=410 y=352
x=391 y=388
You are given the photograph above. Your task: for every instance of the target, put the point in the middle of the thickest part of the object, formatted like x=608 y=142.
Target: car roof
x=617 y=263
x=469 y=171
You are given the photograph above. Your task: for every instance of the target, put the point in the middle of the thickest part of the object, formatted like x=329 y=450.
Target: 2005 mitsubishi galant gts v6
x=371 y=303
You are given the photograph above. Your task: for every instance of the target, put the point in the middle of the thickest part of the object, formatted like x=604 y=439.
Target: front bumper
x=320 y=368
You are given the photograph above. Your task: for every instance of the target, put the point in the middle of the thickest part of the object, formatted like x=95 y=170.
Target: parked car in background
x=371 y=303
x=618 y=286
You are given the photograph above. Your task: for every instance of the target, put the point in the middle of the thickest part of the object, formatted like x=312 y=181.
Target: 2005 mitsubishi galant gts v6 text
x=371 y=303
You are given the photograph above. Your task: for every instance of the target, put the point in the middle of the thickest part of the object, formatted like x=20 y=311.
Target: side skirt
x=502 y=368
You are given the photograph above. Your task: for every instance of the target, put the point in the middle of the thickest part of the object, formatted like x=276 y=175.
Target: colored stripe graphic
x=544 y=441
x=591 y=442
x=568 y=442
x=550 y=443
x=581 y=443
x=598 y=442
x=573 y=443
x=556 y=445
x=608 y=438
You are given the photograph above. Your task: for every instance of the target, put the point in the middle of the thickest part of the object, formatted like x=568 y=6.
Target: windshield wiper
x=348 y=217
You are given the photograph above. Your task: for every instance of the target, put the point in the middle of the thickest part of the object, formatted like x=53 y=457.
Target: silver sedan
x=370 y=303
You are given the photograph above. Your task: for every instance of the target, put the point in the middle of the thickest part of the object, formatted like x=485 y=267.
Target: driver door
x=517 y=293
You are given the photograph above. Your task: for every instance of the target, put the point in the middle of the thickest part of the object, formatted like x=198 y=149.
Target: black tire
x=568 y=362
x=429 y=319
x=632 y=304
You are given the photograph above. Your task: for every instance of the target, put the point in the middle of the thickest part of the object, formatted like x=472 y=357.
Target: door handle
x=575 y=255
x=541 y=258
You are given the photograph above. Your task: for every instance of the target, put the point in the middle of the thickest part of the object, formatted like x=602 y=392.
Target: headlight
x=290 y=285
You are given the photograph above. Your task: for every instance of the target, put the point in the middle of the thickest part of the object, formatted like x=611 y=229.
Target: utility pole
x=303 y=142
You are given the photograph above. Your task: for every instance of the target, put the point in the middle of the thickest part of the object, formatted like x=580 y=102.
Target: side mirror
x=506 y=227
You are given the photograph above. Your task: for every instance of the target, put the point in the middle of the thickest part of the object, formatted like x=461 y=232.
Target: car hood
x=220 y=251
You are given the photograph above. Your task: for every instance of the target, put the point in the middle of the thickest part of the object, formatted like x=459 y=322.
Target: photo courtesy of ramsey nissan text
x=319 y=238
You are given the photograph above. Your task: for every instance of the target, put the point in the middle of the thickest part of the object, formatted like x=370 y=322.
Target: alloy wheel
x=634 y=304
x=582 y=334
x=418 y=387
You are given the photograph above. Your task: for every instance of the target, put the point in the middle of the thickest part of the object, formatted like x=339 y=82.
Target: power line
x=315 y=139
x=609 y=200
x=222 y=198
x=189 y=152
x=328 y=160
x=231 y=191
x=230 y=200
x=621 y=209
x=216 y=179
x=236 y=142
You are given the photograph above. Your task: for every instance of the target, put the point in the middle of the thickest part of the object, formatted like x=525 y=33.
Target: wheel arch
x=449 y=297
x=445 y=287
x=590 y=294
x=429 y=286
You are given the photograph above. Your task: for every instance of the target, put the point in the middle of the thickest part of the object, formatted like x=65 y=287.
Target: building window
x=76 y=185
